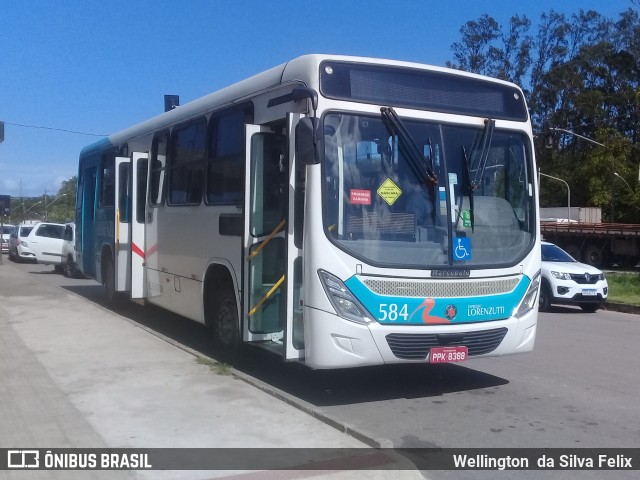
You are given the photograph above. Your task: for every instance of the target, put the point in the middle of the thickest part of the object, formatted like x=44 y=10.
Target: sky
x=99 y=66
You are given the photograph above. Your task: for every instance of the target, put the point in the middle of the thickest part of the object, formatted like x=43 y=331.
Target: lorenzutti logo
x=23 y=458
x=450 y=312
x=479 y=310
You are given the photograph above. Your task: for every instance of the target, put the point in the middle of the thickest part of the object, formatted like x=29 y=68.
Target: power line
x=56 y=129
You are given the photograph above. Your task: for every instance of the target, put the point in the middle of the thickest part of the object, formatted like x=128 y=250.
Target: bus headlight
x=347 y=306
x=530 y=298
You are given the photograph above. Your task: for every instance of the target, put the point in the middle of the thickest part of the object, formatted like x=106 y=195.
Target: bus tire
x=224 y=322
x=109 y=281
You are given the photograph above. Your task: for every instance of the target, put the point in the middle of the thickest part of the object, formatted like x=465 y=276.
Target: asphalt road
x=578 y=389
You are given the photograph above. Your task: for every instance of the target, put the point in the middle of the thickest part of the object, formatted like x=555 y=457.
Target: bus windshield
x=476 y=209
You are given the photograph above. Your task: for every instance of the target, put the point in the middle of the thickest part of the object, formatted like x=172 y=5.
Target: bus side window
x=225 y=165
x=123 y=193
x=187 y=163
x=107 y=181
x=158 y=168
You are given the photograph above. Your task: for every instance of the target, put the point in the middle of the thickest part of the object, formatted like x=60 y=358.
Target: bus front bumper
x=338 y=343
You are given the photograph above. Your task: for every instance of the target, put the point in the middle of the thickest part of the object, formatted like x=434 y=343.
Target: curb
x=345 y=428
x=295 y=402
x=621 y=307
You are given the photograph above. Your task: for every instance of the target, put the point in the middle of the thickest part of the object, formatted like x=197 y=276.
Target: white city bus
x=340 y=211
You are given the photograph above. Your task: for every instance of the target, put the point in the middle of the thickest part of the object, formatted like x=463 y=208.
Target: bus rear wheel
x=110 y=295
x=224 y=322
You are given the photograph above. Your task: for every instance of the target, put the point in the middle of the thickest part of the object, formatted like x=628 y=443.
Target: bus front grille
x=442 y=288
x=416 y=346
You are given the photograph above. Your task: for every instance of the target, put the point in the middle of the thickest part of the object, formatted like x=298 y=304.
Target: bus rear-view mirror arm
x=307 y=138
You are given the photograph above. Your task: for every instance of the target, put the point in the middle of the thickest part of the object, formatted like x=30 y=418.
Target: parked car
x=18 y=248
x=567 y=281
x=45 y=241
x=7 y=230
x=69 y=251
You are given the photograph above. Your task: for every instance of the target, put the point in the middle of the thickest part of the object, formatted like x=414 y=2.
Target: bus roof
x=294 y=71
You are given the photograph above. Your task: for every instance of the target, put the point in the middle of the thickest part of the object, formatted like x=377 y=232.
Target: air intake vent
x=440 y=288
x=416 y=346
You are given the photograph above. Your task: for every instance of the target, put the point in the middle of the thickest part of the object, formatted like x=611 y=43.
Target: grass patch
x=624 y=288
x=218 y=368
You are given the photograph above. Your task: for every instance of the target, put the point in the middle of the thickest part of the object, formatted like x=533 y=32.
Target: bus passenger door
x=122 y=244
x=86 y=216
x=294 y=340
x=139 y=171
x=264 y=305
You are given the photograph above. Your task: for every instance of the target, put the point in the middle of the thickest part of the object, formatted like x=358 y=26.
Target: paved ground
x=73 y=374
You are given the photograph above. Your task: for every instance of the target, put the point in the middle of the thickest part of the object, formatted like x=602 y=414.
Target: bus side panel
x=182 y=241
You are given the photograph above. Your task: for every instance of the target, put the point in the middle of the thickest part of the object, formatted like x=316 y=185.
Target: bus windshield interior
x=475 y=208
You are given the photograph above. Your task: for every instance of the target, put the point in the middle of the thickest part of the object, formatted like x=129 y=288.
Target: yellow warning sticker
x=389 y=191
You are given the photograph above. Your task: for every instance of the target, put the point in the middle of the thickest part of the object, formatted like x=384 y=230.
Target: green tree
x=580 y=73
x=63 y=210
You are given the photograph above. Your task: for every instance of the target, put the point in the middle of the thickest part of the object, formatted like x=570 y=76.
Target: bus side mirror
x=307 y=141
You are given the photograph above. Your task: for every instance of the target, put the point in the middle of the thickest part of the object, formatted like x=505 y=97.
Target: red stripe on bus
x=137 y=250
x=152 y=250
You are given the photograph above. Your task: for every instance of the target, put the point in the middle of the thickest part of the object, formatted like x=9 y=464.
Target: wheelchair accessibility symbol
x=462 y=248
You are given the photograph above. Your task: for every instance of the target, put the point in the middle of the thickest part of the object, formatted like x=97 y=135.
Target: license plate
x=590 y=292
x=448 y=354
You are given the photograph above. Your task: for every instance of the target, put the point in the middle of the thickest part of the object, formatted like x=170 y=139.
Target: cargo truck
x=589 y=240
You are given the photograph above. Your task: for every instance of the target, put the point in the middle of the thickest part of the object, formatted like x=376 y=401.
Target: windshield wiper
x=469 y=187
x=485 y=145
x=422 y=169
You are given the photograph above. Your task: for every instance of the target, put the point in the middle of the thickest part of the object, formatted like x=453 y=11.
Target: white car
x=18 y=248
x=567 y=281
x=7 y=230
x=45 y=241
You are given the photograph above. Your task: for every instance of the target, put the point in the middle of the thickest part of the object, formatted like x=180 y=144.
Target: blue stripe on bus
x=395 y=310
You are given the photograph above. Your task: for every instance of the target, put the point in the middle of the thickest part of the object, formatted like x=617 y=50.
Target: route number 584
x=391 y=312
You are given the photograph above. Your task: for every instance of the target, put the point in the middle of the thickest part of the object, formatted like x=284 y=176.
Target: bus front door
x=122 y=221
x=266 y=306
x=86 y=218
x=138 y=200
